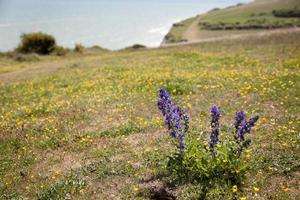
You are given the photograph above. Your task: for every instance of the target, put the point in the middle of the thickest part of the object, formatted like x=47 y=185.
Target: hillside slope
x=240 y=19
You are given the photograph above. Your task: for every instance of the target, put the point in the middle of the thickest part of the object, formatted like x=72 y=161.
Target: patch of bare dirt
x=25 y=74
x=109 y=188
x=159 y=190
x=285 y=184
x=192 y=32
x=57 y=163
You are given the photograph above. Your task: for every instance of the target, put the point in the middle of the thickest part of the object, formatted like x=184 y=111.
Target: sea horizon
x=110 y=24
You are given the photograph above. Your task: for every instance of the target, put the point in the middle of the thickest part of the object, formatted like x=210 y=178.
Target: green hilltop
x=256 y=16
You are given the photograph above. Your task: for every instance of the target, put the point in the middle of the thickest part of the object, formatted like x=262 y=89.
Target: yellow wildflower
x=256 y=189
x=234 y=189
x=136 y=189
x=147 y=150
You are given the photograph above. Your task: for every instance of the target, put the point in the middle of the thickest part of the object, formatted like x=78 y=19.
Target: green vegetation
x=258 y=15
x=39 y=43
x=206 y=161
x=175 y=34
x=135 y=47
x=33 y=45
x=60 y=51
x=86 y=126
x=295 y=12
x=79 y=48
x=62 y=190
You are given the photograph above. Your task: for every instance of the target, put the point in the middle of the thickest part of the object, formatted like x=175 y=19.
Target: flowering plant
x=206 y=159
x=176 y=120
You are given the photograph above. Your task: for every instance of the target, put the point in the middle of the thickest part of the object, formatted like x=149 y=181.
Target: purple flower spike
x=181 y=142
x=242 y=126
x=215 y=128
x=239 y=118
x=176 y=120
x=215 y=113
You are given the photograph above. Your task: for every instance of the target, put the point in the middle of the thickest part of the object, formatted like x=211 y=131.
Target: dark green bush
x=138 y=46
x=39 y=43
x=287 y=12
x=214 y=9
x=79 y=48
x=135 y=47
x=170 y=38
x=178 y=24
x=249 y=25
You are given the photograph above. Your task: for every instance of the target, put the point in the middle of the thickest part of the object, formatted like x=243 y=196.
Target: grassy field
x=239 y=19
x=259 y=11
x=86 y=126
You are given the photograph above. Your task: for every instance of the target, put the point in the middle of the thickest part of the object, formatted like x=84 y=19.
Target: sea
x=112 y=24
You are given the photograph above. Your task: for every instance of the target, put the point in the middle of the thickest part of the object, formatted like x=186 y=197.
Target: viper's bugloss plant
x=243 y=127
x=215 y=128
x=206 y=159
x=176 y=120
